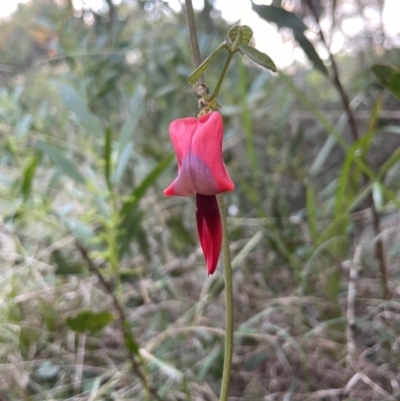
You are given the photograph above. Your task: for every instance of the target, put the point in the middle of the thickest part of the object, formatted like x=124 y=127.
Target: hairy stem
x=221 y=78
x=226 y=373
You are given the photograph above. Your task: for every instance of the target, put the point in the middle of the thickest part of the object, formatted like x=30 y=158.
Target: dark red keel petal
x=209 y=229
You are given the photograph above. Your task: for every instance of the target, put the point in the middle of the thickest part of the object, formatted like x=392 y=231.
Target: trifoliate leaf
x=247 y=34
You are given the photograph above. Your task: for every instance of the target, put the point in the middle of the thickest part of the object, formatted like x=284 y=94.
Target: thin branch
x=121 y=318
x=336 y=80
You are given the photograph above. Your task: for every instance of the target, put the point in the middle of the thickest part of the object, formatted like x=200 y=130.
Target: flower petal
x=181 y=132
x=198 y=148
x=210 y=176
x=183 y=184
x=209 y=229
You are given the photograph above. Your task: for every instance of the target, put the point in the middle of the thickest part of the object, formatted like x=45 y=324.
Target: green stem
x=232 y=51
x=226 y=374
x=221 y=78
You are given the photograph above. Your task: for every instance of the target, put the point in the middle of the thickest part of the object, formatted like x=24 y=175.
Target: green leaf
x=280 y=17
x=247 y=34
x=107 y=156
x=258 y=57
x=388 y=77
x=89 y=321
x=203 y=66
x=62 y=163
x=76 y=104
x=309 y=50
x=64 y=264
x=28 y=175
x=286 y=19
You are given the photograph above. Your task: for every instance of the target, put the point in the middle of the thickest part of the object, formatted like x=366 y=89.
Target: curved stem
x=226 y=373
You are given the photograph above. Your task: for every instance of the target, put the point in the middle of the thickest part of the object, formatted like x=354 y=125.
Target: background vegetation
x=103 y=285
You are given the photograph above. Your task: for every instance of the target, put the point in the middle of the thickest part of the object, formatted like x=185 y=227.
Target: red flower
x=201 y=172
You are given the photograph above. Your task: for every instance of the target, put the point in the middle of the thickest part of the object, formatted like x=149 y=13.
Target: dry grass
x=286 y=346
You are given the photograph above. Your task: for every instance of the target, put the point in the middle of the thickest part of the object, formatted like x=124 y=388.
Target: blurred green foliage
x=85 y=103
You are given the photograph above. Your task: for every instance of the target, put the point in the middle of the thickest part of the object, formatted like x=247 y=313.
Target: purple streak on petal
x=202 y=177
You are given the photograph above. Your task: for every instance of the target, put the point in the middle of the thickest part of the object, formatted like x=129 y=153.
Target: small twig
x=379 y=251
x=121 y=318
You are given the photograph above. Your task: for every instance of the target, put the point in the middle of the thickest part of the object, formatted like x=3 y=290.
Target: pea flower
x=201 y=172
